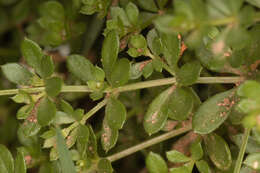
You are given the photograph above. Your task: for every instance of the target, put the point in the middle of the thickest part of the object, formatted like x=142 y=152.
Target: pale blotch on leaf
x=218 y=47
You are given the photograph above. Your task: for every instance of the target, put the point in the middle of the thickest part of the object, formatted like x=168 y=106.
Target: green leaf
x=249 y=89
x=226 y=8
x=132 y=13
x=17 y=73
x=203 y=166
x=136 y=70
x=176 y=157
x=117 y=12
x=196 y=150
x=254 y=2
x=53 y=10
x=148 y=5
x=72 y=138
x=109 y=136
x=99 y=74
x=24 y=111
x=115 y=113
x=138 y=41
x=218 y=151
x=109 y=51
x=171 y=48
x=46 y=67
x=155 y=163
x=180 y=104
x=247 y=105
x=81 y=67
x=66 y=107
x=22 y=97
x=252 y=145
x=63 y=118
x=46 y=111
x=253 y=161
x=157 y=112
x=148 y=70
x=20 y=166
x=92 y=144
x=157 y=65
x=6 y=160
x=120 y=73
x=104 y=166
x=31 y=52
x=189 y=73
x=82 y=139
x=53 y=86
x=187 y=168
x=154 y=42
x=66 y=162
x=30 y=128
x=48 y=134
x=213 y=112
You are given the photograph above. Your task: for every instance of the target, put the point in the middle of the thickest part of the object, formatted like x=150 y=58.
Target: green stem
x=93 y=111
x=242 y=151
x=129 y=87
x=149 y=143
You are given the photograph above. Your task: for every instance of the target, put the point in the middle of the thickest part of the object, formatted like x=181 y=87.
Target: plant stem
x=242 y=151
x=149 y=143
x=93 y=111
x=130 y=87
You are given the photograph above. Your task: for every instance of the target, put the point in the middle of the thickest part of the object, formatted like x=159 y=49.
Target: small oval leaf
x=20 y=166
x=46 y=111
x=157 y=112
x=115 y=113
x=203 y=166
x=176 y=157
x=31 y=52
x=189 y=73
x=66 y=162
x=81 y=67
x=218 y=151
x=109 y=52
x=104 y=166
x=253 y=161
x=82 y=139
x=109 y=136
x=120 y=73
x=155 y=163
x=6 y=160
x=180 y=104
x=17 y=74
x=53 y=86
x=213 y=112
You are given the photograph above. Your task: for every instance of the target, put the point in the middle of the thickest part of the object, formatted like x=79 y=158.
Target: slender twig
x=130 y=87
x=242 y=151
x=149 y=143
x=93 y=111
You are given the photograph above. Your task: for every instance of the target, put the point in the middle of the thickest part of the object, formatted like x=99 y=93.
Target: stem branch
x=149 y=143
x=93 y=111
x=129 y=87
x=242 y=151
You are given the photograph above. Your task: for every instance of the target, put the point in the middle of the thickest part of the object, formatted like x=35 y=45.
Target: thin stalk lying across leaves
x=129 y=87
x=242 y=151
x=149 y=143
